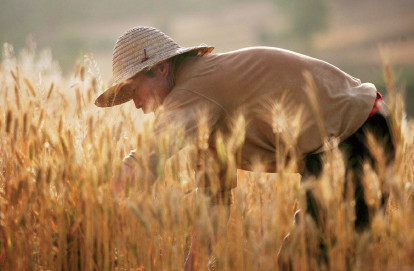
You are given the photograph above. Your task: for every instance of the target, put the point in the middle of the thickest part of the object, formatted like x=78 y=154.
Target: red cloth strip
x=378 y=100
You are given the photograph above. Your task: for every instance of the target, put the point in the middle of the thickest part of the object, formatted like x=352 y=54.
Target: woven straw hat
x=138 y=49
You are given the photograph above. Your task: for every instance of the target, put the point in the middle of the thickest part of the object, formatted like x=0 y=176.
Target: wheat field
x=58 y=211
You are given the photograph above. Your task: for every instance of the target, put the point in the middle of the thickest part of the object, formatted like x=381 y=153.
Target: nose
x=137 y=103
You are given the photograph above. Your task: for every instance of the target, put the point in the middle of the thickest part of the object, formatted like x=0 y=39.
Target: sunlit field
x=58 y=209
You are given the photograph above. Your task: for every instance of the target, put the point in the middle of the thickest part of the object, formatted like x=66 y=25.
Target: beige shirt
x=283 y=111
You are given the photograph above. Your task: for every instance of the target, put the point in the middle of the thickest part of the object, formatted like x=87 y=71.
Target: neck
x=171 y=77
x=175 y=63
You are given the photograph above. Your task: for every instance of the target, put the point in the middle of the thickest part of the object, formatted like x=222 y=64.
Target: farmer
x=291 y=104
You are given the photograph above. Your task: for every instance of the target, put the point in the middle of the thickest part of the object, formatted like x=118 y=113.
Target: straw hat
x=138 y=49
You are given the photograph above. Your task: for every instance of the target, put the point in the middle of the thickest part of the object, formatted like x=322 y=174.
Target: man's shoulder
x=265 y=51
x=254 y=49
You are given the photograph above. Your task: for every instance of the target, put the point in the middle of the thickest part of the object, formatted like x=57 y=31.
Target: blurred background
x=351 y=34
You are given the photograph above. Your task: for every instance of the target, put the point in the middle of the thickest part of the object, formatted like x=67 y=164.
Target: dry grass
x=58 y=212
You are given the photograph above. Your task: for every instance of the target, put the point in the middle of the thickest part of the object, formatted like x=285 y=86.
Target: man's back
x=261 y=80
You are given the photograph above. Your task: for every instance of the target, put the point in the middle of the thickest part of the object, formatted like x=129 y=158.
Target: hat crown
x=140 y=48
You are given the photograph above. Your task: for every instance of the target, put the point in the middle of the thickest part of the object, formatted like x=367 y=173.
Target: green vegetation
x=306 y=18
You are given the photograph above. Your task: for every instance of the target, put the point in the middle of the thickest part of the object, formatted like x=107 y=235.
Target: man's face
x=149 y=92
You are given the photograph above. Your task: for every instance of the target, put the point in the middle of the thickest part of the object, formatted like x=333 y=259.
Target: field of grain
x=58 y=211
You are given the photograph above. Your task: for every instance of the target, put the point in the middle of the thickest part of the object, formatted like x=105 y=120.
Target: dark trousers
x=356 y=152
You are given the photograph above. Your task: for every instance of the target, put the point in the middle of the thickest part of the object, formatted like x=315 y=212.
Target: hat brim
x=115 y=96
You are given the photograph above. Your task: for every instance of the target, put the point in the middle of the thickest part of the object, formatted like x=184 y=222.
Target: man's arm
x=186 y=118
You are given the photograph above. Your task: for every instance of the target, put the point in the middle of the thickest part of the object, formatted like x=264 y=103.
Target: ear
x=164 y=68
